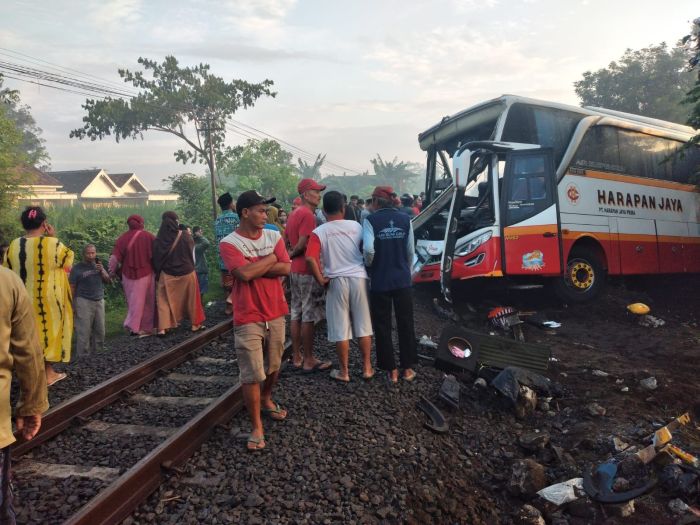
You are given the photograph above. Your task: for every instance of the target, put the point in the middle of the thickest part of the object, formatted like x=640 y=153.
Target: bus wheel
x=583 y=279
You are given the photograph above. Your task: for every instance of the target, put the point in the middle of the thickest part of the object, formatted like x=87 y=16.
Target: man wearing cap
x=257 y=258
x=387 y=237
x=224 y=224
x=407 y=205
x=308 y=304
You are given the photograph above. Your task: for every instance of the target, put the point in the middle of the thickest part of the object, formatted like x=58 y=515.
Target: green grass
x=115 y=304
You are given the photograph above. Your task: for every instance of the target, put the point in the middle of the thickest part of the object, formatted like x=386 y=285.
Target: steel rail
x=62 y=415
x=124 y=495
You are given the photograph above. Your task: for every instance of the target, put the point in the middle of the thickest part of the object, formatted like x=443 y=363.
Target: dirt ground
x=599 y=336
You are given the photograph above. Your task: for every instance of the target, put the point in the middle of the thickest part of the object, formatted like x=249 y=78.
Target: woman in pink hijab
x=131 y=260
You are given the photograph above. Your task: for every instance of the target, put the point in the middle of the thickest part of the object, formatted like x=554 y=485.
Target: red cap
x=309 y=184
x=384 y=192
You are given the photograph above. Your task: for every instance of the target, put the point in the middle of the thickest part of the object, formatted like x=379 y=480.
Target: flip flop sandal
x=368 y=377
x=410 y=377
x=390 y=379
x=201 y=327
x=276 y=414
x=318 y=367
x=255 y=442
x=335 y=375
x=60 y=377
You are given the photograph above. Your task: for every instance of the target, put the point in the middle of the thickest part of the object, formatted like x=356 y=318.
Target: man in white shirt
x=337 y=243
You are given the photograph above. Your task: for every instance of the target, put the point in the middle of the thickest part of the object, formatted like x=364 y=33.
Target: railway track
x=142 y=385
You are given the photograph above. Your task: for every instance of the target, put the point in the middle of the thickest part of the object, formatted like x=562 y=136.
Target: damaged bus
x=526 y=190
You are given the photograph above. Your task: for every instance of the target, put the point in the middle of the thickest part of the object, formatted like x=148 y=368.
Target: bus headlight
x=473 y=244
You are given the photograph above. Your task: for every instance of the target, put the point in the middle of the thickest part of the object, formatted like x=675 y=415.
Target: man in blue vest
x=387 y=237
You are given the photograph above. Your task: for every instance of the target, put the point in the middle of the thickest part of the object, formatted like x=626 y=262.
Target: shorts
x=347 y=309
x=308 y=298
x=226 y=281
x=203 y=280
x=259 y=348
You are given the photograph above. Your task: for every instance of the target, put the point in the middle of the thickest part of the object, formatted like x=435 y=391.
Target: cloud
x=252 y=16
x=456 y=63
x=243 y=52
x=114 y=13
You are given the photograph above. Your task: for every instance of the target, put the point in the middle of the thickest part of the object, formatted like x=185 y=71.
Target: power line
x=86 y=88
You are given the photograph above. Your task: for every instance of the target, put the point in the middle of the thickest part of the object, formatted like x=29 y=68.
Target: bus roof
x=481 y=113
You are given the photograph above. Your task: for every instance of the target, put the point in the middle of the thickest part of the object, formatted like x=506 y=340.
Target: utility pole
x=212 y=168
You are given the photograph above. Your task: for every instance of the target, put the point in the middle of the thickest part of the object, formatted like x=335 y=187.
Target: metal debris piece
x=449 y=391
x=564 y=492
x=437 y=421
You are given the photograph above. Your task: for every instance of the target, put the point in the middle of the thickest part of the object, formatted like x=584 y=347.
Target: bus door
x=530 y=214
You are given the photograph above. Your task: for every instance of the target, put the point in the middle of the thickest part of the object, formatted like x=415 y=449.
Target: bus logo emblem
x=573 y=194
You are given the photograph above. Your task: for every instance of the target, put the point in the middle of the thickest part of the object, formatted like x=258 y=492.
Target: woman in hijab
x=273 y=221
x=177 y=291
x=131 y=258
x=41 y=261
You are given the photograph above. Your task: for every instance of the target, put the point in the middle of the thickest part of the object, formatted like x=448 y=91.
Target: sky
x=353 y=79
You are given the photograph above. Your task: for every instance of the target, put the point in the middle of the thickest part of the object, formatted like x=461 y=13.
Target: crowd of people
x=348 y=262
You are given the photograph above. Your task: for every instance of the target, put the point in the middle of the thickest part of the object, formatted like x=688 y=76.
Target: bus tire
x=583 y=279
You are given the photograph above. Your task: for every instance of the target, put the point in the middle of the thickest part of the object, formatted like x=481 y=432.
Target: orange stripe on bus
x=643 y=181
x=633 y=237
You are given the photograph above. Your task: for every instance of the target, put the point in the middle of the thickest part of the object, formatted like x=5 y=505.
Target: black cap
x=225 y=201
x=251 y=198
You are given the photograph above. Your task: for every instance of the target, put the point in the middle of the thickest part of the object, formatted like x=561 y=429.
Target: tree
x=311 y=171
x=263 y=166
x=692 y=42
x=651 y=82
x=11 y=159
x=32 y=143
x=174 y=100
x=192 y=204
x=398 y=175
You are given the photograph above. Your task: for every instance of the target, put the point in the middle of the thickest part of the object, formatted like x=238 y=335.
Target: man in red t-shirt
x=308 y=301
x=257 y=258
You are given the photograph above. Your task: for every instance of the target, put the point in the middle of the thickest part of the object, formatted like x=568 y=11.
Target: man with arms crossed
x=307 y=295
x=257 y=258
x=347 y=304
x=19 y=346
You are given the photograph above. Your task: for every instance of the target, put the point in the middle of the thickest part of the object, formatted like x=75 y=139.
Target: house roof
x=34 y=177
x=120 y=178
x=75 y=181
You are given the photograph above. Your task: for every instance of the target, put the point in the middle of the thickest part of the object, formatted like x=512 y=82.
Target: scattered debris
x=638 y=308
x=437 y=421
x=538 y=320
x=675 y=480
x=509 y=380
x=449 y=391
x=527 y=478
x=600 y=373
x=649 y=321
x=599 y=485
x=529 y=515
x=445 y=313
x=595 y=410
x=649 y=383
x=625 y=389
x=480 y=382
x=427 y=342
x=564 y=492
x=506 y=318
x=678 y=506
x=619 y=445
x=534 y=441
x=463 y=349
x=527 y=401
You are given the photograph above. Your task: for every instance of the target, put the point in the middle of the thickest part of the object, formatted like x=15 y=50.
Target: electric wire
x=26 y=74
